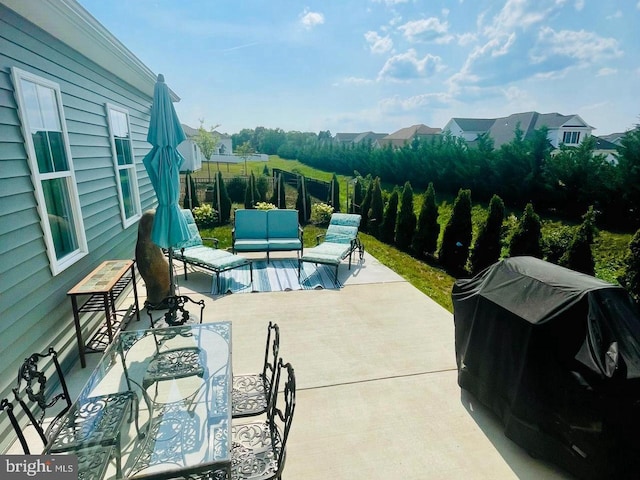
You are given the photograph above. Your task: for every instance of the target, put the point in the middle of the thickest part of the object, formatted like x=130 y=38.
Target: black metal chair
x=92 y=462
x=176 y=314
x=251 y=393
x=94 y=422
x=258 y=450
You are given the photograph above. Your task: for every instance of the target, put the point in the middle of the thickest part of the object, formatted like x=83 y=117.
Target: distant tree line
x=565 y=182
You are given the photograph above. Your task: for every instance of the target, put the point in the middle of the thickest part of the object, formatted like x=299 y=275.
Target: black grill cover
x=556 y=355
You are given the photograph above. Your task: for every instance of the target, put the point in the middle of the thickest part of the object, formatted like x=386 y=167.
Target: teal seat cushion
x=214 y=258
x=346 y=219
x=282 y=224
x=250 y=224
x=327 y=252
x=194 y=237
x=284 y=244
x=251 y=245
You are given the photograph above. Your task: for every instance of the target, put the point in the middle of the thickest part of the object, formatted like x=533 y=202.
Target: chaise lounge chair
x=193 y=252
x=340 y=241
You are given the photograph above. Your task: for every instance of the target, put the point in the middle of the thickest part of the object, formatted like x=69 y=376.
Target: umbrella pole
x=171 y=314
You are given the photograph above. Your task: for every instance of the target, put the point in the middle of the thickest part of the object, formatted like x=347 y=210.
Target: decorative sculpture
x=152 y=264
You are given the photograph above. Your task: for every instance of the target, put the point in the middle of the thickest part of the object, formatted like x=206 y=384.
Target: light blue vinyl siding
x=34 y=309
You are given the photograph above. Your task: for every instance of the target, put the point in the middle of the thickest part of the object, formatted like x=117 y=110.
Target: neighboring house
x=405 y=136
x=562 y=129
x=344 y=138
x=74 y=115
x=606 y=148
x=190 y=151
x=468 y=128
x=192 y=154
x=363 y=138
x=614 y=138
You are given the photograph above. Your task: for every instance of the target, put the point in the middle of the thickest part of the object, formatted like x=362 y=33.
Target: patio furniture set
x=162 y=403
x=270 y=231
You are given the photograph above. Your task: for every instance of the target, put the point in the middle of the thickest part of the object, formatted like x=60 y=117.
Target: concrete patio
x=377 y=395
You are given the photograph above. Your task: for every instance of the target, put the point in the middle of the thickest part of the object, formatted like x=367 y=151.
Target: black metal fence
x=316 y=188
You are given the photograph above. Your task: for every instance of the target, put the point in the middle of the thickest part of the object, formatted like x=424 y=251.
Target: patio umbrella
x=163 y=164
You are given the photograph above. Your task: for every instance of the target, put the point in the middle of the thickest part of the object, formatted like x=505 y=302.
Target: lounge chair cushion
x=195 y=238
x=213 y=257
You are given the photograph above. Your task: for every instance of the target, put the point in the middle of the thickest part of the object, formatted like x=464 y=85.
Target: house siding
x=34 y=309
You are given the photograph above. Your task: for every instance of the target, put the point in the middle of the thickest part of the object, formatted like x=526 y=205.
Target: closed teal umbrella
x=163 y=164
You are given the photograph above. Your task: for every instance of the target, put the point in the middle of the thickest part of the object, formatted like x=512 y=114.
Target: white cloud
x=378 y=44
x=354 y=81
x=616 y=14
x=603 y=72
x=390 y=2
x=424 y=29
x=311 y=19
x=466 y=39
x=406 y=66
x=579 y=5
x=580 y=45
x=397 y=103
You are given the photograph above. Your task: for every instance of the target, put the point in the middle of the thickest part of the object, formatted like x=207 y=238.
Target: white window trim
x=126 y=222
x=56 y=265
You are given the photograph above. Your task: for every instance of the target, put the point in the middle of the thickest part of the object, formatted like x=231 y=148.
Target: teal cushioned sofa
x=267 y=231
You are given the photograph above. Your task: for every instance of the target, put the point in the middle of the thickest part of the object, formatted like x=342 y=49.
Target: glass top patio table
x=181 y=417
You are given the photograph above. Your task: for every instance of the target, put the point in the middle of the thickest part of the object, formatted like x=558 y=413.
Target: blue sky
x=381 y=65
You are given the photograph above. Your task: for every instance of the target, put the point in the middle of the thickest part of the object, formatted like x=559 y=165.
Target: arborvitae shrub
x=334 y=194
x=262 y=185
x=251 y=194
x=487 y=247
x=406 y=225
x=236 y=188
x=388 y=228
x=224 y=209
x=190 y=199
x=278 y=197
x=425 y=240
x=526 y=239
x=376 y=210
x=303 y=202
x=358 y=196
x=456 y=240
x=631 y=278
x=579 y=256
x=366 y=205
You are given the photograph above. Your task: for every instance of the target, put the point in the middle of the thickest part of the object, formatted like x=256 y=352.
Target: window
x=47 y=144
x=124 y=164
x=571 y=137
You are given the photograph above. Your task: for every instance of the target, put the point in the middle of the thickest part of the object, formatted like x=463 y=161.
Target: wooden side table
x=103 y=285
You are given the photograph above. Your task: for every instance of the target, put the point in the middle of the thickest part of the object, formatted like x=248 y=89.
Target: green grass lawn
x=609 y=248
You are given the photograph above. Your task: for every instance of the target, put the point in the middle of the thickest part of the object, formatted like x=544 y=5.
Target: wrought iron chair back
x=271 y=354
x=7 y=406
x=73 y=428
x=259 y=448
x=252 y=394
x=176 y=313
x=283 y=415
x=33 y=394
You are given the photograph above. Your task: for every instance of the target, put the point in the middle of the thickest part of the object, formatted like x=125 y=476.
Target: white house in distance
x=563 y=129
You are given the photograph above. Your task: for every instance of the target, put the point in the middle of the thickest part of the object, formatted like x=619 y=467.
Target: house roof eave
x=70 y=23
